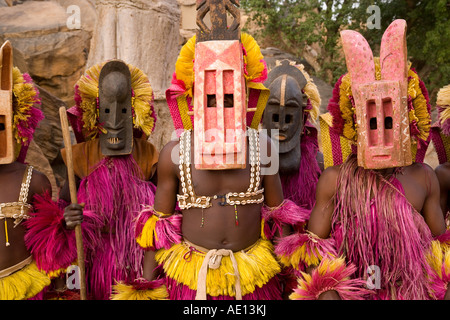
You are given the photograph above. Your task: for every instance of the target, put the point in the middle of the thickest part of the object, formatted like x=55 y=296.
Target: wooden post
x=73 y=198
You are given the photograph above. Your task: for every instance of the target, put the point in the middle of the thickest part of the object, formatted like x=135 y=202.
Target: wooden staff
x=73 y=198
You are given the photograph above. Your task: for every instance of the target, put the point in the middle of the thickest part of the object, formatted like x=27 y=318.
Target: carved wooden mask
x=219 y=106
x=115 y=114
x=218 y=10
x=284 y=112
x=381 y=105
x=219 y=93
x=7 y=144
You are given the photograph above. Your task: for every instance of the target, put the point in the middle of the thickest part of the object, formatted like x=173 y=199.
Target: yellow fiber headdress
x=312 y=94
x=86 y=112
x=180 y=94
x=443 y=104
x=440 y=132
x=26 y=117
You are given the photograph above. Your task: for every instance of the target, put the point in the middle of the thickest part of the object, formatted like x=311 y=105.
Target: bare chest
x=415 y=192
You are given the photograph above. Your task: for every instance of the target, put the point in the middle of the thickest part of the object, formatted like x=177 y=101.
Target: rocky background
x=56 y=40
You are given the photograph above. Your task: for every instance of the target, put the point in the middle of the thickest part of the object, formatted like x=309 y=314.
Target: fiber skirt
x=23 y=284
x=257 y=267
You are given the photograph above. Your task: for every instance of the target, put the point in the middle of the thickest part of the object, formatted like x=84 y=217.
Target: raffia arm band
x=331 y=274
x=302 y=250
x=155 y=230
x=287 y=213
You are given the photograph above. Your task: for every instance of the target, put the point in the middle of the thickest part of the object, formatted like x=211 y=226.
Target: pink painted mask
x=381 y=105
x=7 y=145
x=219 y=106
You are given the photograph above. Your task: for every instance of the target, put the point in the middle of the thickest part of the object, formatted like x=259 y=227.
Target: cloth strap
x=6 y=272
x=213 y=260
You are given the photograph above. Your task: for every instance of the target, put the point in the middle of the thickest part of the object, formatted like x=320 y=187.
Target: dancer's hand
x=73 y=215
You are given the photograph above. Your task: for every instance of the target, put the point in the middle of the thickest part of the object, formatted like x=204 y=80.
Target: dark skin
x=219 y=230
x=421 y=188
x=443 y=175
x=10 y=182
x=73 y=213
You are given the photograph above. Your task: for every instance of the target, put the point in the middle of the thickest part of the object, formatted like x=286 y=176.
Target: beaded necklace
x=9 y=209
x=188 y=198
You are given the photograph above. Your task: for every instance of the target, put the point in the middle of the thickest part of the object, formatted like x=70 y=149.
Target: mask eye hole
x=275 y=117
x=373 y=123
x=228 y=101
x=288 y=118
x=388 y=123
x=124 y=110
x=211 y=101
x=107 y=110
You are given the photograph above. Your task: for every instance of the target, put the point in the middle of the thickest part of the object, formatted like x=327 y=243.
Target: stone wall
x=145 y=34
x=142 y=33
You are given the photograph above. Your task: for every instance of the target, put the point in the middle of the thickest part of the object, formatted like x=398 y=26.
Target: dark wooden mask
x=115 y=114
x=284 y=112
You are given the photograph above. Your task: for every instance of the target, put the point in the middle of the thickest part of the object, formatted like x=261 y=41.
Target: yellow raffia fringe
x=253 y=59
x=301 y=254
x=56 y=273
x=347 y=108
x=327 y=266
x=256 y=267
x=261 y=104
x=23 y=284
x=143 y=97
x=148 y=237
x=184 y=108
x=263 y=235
x=446 y=261
x=446 y=141
x=419 y=113
x=312 y=93
x=443 y=101
x=88 y=89
x=438 y=257
x=122 y=291
x=24 y=95
x=141 y=102
x=435 y=257
x=184 y=67
x=325 y=139
x=325 y=122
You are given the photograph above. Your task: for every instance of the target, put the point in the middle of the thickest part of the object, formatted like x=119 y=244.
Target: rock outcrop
x=142 y=33
x=55 y=52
